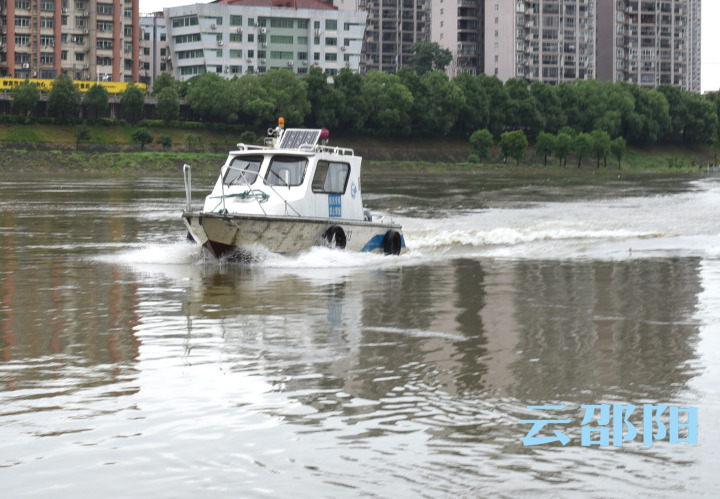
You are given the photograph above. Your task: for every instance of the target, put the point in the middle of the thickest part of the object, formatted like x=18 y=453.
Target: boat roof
x=297 y=140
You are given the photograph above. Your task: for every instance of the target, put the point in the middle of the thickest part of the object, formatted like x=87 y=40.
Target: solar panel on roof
x=293 y=138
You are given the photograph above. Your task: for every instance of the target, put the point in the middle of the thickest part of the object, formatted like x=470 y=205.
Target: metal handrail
x=187 y=177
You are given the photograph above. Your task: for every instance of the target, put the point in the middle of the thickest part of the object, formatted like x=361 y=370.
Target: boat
x=286 y=196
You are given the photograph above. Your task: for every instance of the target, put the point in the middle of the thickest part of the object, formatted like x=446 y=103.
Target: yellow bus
x=113 y=87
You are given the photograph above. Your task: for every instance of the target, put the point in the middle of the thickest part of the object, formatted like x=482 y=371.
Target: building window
x=275 y=54
x=235 y=20
x=331 y=24
x=331 y=41
x=192 y=70
x=287 y=40
x=22 y=4
x=22 y=21
x=189 y=54
x=105 y=9
x=302 y=40
x=180 y=22
x=108 y=26
x=47 y=5
x=195 y=37
x=105 y=43
x=331 y=57
x=281 y=23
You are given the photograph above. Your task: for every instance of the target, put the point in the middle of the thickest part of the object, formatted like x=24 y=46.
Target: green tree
x=389 y=103
x=650 y=119
x=288 y=95
x=436 y=101
x=82 y=135
x=256 y=109
x=165 y=140
x=168 y=104
x=64 y=99
x=474 y=113
x=617 y=149
x=193 y=141
x=549 y=106
x=142 y=136
x=499 y=103
x=25 y=97
x=428 y=56
x=522 y=107
x=132 y=102
x=582 y=146
x=567 y=92
x=568 y=130
x=513 y=145
x=482 y=141
x=701 y=124
x=212 y=97
x=164 y=81
x=354 y=110
x=325 y=100
x=600 y=141
x=96 y=100
x=545 y=145
x=563 y=147
x=677 y=109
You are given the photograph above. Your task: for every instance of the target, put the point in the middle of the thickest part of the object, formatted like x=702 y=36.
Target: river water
x=130 y=366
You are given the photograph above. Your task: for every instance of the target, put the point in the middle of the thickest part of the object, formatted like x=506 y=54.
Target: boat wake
x=606 y=229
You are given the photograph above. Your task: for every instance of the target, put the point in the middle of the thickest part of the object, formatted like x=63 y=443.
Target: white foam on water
x=613 y=228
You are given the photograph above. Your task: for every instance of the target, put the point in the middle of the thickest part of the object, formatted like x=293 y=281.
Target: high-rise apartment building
x=458 y=25
x=647 y=42
x=650 y=42
x=85 y=39
x=393 y=26
x=544 y=40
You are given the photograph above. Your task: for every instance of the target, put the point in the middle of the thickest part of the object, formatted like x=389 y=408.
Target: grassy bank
x=111 y=148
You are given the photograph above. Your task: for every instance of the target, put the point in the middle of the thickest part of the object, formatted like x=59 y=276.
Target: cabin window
x=243 y=170
x=331 y=177
x=286 y=171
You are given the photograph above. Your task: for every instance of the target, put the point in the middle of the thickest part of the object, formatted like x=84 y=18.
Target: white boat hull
x=236 y=234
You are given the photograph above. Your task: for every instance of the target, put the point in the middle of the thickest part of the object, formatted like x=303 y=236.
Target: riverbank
x=111 y=148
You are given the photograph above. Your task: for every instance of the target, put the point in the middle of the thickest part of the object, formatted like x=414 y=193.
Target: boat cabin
x=292 y=175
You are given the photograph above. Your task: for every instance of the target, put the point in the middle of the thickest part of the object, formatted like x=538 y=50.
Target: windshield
x=243 y=170
x=286 y=171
